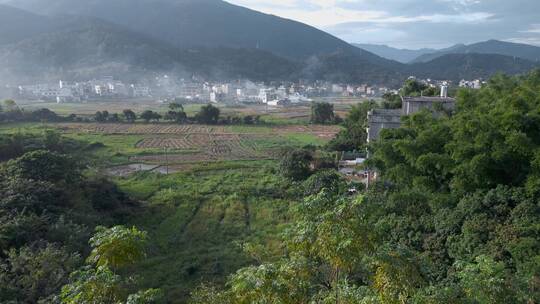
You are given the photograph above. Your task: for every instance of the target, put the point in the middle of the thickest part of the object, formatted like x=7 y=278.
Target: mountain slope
x=94 y=48
x=470 y=66
x=206 y=23
x=18 y=24
x=401 y=55
x=524 y=51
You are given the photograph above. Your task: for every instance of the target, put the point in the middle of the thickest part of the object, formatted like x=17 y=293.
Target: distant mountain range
x=211 y=38
x=470 y=66
x=401 y=55
x=519 y=50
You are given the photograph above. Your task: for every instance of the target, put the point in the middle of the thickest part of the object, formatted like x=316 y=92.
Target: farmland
x=179 y=145
x=221 y=191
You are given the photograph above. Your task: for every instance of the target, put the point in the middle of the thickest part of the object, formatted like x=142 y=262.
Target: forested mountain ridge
x=92 y=48
x=524 y=51
x=202 y=23
x=470 y=66
x=401 y=55
x=85 y=46
x=18 y=24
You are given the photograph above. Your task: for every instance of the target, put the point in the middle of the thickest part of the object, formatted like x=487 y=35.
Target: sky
x=413 y=24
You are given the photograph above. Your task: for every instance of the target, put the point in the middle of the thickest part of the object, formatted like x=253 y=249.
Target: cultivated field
x=176 y=146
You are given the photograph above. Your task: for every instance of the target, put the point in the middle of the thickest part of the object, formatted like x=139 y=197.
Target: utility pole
x=166 y=161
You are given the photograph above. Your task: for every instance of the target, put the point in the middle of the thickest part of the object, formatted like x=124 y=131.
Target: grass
x=198 y=221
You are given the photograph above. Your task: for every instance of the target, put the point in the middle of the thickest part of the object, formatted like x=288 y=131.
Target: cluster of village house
x=164 y=87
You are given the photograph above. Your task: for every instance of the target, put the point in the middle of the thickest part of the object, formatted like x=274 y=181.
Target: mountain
x=524 y=51
x=345 y=67
x=92 y=48
x=470 y=66
x=76 y=39
x=18 y=24
x=201 y=23
x=401 y=55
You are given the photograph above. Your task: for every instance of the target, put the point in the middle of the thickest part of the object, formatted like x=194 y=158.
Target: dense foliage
x=323 y=113
x=48 y=209
x=453 y=219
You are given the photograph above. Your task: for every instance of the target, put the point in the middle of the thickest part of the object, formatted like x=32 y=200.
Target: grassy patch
x=199 y=219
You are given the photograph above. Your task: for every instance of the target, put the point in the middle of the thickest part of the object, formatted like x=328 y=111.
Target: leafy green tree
x=397 y=277
x=413 y=87
x=487 y=281
x=100 y=117
x=10 y=105
x=248 y=120
x=44 y=115
x=44 y=166
x=208 y=115
x=174 y=106
x=149 y=115
x=32 y=274
x=150 y=296
x=330 y=180
x=353 y=137
x=114 y=117
x=117 y=247
x=391 y=101
x=89 y=286
x=112 y=249
x=295 y=164
x=322 y=113
x=129 y=115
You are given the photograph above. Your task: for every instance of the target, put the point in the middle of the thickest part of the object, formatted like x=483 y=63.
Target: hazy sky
x=413 y=23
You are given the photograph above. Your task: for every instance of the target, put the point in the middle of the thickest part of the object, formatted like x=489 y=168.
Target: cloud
x=413 y=23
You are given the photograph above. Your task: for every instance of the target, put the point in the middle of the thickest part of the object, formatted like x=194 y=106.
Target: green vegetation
x=48 y=209
x=323 y=113
x=453 y=217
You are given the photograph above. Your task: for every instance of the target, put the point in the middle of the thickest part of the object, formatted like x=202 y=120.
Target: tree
x=391 y=101
x=111 y=249
x=174 y=106
x=150 y=296
x=176 y=113
x=208 y=115
x=487 y=281
x=150 y=115
x=248 y=120
x=31 y=274
x=89 y=286
x=353 y=136
x=44 y=166
x=44 y=115
x=295 y=164
x=129 y=116
x=322 y=112
x=413 y=87
x=330 y=180
x=99 y=117
x=10 y=105
x=114 y=117
x=117 y=247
